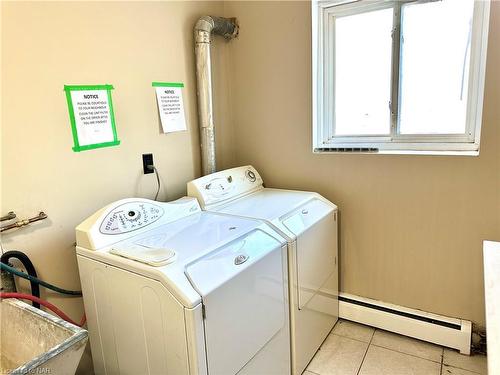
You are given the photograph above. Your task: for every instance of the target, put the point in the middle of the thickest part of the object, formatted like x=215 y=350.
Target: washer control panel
x=129 y=217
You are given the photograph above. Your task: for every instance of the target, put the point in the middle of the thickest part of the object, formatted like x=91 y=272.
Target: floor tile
x=407 y=345
x=353 y=330
x=476 y=363
x=449 y=370
x=338 y=356
x=381 y=361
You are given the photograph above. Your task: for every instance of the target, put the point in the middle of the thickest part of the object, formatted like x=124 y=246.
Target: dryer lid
x=306 y=215
x=267 y=204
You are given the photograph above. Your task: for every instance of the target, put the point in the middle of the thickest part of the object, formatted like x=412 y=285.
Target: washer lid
x=244 y=292
x=214 y=269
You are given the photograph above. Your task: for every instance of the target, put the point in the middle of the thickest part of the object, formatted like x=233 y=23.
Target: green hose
x=10 y=269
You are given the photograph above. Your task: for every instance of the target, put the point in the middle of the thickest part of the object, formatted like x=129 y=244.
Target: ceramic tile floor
x=355 y=349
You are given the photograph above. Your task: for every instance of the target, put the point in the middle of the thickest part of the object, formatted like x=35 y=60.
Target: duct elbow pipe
x=203 y=30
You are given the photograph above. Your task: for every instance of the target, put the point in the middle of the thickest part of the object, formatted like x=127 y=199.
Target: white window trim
x=452 y=144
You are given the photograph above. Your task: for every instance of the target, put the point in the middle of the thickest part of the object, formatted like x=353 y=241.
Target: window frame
x=324 y=13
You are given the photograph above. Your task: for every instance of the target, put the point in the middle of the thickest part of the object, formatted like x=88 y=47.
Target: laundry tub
x=34 y=342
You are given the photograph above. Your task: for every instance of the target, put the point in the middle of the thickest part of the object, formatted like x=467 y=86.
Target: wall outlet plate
x=147 y=159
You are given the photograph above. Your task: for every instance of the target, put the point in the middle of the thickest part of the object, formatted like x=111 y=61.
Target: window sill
x=395 y=152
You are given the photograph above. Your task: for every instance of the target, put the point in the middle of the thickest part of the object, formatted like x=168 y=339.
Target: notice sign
x=91 y=115
x=170 y=106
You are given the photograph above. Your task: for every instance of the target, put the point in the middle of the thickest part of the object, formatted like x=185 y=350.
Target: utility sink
x=35 y=342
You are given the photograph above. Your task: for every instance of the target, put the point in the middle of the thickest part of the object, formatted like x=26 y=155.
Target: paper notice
x=92 y=116
x=170 y=106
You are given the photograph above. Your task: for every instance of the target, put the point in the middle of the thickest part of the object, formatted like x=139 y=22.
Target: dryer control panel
x=224 y=186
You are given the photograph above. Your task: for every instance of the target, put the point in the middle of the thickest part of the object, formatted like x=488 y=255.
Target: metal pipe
x=11 y=215
x=204 y=28
x=22 y=223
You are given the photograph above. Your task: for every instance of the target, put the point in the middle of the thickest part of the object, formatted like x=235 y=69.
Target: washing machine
x=169 y=289
x=309 y=223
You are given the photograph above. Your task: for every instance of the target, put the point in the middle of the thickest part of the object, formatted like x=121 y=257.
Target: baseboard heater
x=450 y=332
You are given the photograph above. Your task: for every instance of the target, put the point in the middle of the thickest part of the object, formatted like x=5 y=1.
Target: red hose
x=46 y=304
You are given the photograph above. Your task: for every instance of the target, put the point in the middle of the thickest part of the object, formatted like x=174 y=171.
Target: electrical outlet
x=147 y=159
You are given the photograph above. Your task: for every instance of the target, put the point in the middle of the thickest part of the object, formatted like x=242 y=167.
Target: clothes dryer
x=309 y=223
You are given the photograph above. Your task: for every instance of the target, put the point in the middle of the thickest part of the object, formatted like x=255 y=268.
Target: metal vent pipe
x=203 y=30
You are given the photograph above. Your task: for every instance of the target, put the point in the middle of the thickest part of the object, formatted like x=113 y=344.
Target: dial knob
x=250 y=175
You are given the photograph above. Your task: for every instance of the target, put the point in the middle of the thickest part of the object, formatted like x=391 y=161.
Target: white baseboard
x=438 y=329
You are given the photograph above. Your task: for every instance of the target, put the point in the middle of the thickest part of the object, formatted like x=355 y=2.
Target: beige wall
x=411 y=226
x=47 y=45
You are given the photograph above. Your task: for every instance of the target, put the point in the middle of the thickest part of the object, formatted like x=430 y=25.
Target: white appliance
x=169 y=289
x=491 y=259
x=309 y=223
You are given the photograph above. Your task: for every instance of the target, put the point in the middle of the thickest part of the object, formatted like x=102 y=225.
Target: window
x=399 y=76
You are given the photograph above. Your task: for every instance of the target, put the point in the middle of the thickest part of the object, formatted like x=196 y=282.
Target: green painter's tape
x=97 y=145
x=87 y=87
x=167 y=84
x=71 y=110
x=72 y=119
x=112 y=114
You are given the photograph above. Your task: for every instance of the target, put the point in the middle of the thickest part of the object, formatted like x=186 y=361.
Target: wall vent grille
x=346 y=149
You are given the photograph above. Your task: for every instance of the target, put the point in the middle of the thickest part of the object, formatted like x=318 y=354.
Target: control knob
x=250 y=175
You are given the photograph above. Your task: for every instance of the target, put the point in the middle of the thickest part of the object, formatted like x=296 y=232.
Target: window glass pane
x=363 y=50
x=435 y=55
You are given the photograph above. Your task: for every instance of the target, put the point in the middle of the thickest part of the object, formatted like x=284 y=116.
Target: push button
x=240 y=259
